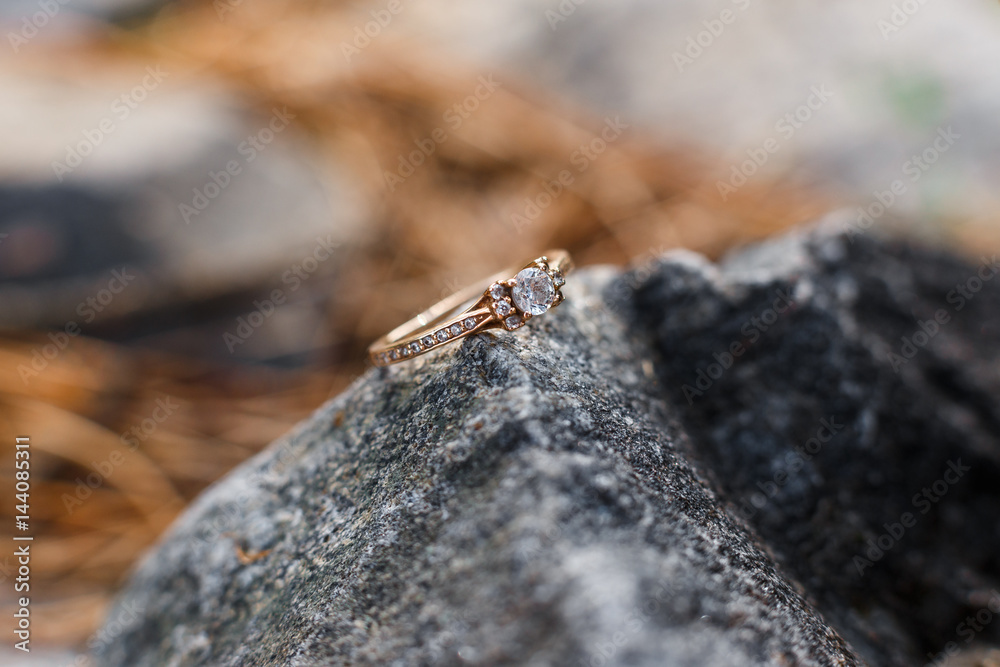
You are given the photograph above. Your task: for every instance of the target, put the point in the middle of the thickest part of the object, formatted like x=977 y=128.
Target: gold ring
x=505 y=302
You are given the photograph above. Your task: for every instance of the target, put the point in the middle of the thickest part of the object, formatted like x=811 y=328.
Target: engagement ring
x=500 y=301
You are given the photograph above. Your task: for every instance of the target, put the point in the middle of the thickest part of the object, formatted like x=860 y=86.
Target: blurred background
x=209 y=209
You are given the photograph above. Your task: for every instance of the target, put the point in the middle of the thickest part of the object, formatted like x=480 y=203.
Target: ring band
x=500 y=301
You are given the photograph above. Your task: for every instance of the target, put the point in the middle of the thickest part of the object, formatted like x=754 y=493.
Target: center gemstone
x=533 y=291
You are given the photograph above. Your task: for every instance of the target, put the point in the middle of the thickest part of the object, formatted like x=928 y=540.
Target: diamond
x=498 y=291
x=442 y=335
x=513 y=322
x=558 y=279
x=427 y=341
x=456 y=329
x=415 y=347
x=502 y=307
x=406 y=351
x=394 y=354
x=533 y=291
x=469 y=323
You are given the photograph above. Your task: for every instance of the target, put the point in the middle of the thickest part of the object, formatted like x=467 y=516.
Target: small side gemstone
x=558 y=279
x=427 y=341
x=469 y=323
x=456 y=329
x=498 y=291
x=394 y=354
x=414 y=347
x=503 y=308
x=513 y=322
x=442 y=335
x=406 y=351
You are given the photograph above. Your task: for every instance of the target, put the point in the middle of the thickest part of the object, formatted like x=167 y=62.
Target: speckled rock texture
x=685 y=464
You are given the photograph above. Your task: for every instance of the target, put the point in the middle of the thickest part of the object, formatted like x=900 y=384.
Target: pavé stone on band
x=500 y=301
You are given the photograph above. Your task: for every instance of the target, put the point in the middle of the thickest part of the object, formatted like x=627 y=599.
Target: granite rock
x=680 y=465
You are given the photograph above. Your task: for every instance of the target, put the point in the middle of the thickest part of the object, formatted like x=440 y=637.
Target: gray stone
x=561 y=496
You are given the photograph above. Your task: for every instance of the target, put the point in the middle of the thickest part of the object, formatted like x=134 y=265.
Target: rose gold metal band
x=504 y=300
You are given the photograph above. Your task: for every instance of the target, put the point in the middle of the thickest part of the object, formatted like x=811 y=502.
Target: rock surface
x=611 y=487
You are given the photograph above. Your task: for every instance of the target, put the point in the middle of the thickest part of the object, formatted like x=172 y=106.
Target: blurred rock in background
x=850 y=92
x=202 y=207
